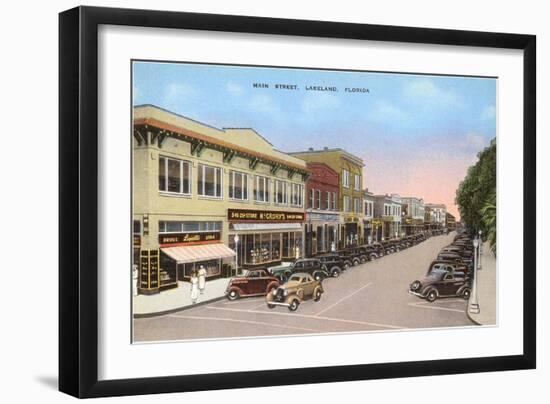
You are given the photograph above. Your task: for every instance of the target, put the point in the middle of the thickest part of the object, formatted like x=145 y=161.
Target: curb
x=469 y=316
x=182 y=308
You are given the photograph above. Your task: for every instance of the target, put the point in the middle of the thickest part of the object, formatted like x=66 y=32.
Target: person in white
x=202 y=279
x=194 y=286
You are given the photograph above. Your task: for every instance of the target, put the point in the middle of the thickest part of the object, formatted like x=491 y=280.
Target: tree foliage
x=489 y=218
x=477 y=190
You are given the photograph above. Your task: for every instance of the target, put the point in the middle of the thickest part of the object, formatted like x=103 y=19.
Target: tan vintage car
x=300 y=287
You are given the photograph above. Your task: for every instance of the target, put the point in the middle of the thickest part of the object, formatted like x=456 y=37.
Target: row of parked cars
x=289 y=284
x=450 y=274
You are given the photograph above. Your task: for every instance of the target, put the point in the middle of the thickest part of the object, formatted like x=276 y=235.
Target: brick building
x=322 y=215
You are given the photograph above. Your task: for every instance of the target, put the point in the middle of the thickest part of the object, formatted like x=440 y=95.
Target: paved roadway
x=369 y=297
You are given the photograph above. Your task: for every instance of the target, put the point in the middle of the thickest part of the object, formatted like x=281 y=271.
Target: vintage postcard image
x=274 y=201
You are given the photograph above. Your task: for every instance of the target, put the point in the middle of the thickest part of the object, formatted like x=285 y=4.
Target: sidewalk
x=177 y=298
x=486 y=289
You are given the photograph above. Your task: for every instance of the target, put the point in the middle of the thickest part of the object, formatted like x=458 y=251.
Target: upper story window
x=210 y=181
x=345 y=178
x=174 y=176
x=347 y=203
x=281 y=192
x=238 y=185
x=137 y=227
x=357 y=205
x=261 y=189
x=319 y=206
x=357 y=182
x=334 y=202
x=368 y=208
x=297 y=194
x=188 y=227
x=312 y=198
x=328 y=205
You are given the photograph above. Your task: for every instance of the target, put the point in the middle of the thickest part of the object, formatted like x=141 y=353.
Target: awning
x=266 y=226
x=193 y=253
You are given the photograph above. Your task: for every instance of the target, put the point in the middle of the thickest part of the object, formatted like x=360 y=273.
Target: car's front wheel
x=233 y=295
x=294 y=305
x=317 y=295
x=431 y=296
x=335 y=272
x=356 y=261
x=466 y=293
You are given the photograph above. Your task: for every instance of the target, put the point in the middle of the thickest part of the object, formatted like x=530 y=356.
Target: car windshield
x=438 y=272
x=295 y=278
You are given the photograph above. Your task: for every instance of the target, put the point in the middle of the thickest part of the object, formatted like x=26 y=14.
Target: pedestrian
x=194 y=286
x=202 y=279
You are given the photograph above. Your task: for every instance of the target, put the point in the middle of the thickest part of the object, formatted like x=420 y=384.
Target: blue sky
x=402 y=120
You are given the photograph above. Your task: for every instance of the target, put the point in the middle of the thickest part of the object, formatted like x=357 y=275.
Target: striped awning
x=194 y=253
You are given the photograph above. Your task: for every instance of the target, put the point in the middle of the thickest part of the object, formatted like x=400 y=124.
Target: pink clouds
x=435 y=179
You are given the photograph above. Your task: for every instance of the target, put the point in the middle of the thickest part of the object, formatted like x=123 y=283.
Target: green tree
x=489 y=217
x=476 y=189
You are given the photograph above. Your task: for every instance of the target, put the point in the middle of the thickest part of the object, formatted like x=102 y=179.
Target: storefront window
x=238 y=185
x=320 y=234
x=276 y=247
x=174 y=176
x=213 y=268
x=265 y=247
x=210 y=181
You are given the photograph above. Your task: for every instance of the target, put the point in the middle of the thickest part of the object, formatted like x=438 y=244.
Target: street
x=369 y=297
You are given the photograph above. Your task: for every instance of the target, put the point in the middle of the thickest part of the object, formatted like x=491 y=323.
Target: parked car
x=441 y=283
x=334 y=263
x=359 y=252
x=299 y=288
x=449 y=266
x=350 y=256
x=389 y=248
x=254 y=282
x=373 y=251
x=454 y=257
x=312 y=266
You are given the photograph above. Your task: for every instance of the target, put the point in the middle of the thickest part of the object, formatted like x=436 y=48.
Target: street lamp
x=236 y=240
x=479 y=254
x=474 y=305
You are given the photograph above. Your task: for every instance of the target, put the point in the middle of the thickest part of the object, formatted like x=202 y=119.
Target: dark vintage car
x=350 y=256
x=254 y=282
x=299 y=288
x=312 y=266
x=388 y=246
x=334 y=263
x=454 y=257
x=373 y=251
x=441 y=283
x=449 y=266
x=457 y=249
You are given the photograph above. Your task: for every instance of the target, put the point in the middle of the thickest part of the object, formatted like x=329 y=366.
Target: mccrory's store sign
x=266 y=216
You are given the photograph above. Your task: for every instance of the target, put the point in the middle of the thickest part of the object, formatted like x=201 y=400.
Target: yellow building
x=200 y=194
x=350 y=205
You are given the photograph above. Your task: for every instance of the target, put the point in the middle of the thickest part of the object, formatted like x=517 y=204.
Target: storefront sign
x=323 y=217
x=188 y=238
x=267 y=216
x=149 y=269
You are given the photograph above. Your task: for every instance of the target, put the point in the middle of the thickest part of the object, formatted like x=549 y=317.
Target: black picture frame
x=78 y=196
